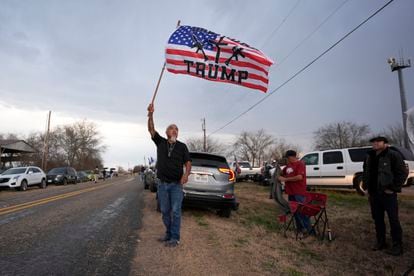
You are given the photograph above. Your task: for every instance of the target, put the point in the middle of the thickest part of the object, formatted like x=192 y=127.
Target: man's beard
x=173 y=139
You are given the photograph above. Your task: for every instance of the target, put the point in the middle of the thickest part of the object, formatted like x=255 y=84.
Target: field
x=251 y=242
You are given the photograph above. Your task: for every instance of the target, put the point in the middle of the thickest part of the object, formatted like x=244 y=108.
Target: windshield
x=15 y=171
x=57 y=171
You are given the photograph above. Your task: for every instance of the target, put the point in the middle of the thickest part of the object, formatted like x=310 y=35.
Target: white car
x=246 y=170
x=343 y=167
x=23 y=177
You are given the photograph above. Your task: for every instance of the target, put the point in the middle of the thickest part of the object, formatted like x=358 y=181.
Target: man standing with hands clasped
x=172 y=156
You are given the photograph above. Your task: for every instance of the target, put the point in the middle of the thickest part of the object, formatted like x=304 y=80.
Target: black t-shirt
x=170 y=166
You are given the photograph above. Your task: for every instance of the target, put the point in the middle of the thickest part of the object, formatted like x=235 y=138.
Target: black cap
x=379 y=139
x=290 y=153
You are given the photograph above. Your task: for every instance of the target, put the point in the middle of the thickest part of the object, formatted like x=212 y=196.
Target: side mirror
x=30 y=172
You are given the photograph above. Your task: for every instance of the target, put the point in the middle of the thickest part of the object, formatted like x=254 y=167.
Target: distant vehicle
x=90 y=174
x=246 y=171
x=150 y=180
x=211 y=184
x=82 y=177
x=343 y=167
x=113 y=171
x=62 y=175
x=23 y=177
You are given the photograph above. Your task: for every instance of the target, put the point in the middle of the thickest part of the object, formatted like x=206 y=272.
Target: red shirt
x=291 y=170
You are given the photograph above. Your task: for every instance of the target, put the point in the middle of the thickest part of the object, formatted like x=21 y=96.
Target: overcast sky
x=100 y=60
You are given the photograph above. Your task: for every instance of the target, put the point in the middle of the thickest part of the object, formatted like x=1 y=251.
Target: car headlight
x=59 y=176
x=16 y=177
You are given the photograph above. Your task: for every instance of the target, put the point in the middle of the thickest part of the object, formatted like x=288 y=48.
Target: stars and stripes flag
x=199 y=52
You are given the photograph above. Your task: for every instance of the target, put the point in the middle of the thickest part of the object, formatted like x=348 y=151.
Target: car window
x=57 y=171
x=244 y=165
x=30 y=170
x=15 y=171
x=406 y=154
x=208 y=160
x=358 y=155
x=311 y=159
x=35 y=170
x=333 y=157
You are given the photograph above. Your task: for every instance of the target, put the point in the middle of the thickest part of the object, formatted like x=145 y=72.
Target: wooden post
x=162 y=73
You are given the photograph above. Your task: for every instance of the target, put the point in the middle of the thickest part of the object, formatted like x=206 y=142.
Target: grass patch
x=201 y=222
x=293 y=272
x=348 y=200
x=240 y=242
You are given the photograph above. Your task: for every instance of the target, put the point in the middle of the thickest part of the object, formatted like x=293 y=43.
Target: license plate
x=202 y=178
x=49 y=181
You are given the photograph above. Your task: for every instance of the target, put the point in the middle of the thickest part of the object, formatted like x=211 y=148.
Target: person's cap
x=290 y=153
x=379 y=139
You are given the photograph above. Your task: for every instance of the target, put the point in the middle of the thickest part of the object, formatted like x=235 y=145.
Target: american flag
x=198 y=52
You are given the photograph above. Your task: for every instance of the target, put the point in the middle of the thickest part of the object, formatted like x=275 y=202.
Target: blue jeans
x=170 y=196
x=302 y=222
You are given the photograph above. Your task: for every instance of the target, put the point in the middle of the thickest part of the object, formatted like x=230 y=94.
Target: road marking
x=22 y=206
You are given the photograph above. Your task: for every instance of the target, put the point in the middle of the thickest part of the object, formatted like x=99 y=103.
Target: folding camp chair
x=313 y=207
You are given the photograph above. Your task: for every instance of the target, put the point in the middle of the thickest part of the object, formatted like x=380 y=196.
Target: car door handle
x=340 y=168
x=316 y=169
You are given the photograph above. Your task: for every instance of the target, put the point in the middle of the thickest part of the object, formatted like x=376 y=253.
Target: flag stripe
x=245 y=63
x=249 y=85
x=251 y=75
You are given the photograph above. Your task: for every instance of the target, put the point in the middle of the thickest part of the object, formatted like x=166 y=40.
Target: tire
x=153 y=187
x=225 y=213
x=43 y=184
x=64 y=182
x=23 y=185
x=359 y=186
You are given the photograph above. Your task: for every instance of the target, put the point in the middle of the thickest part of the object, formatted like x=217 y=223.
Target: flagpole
x=162 y=73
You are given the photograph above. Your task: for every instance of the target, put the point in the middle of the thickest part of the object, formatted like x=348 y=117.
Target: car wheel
x=65 y=182
x=360 y=186
x=225 y=213
x=43 y=184
x=23 y=185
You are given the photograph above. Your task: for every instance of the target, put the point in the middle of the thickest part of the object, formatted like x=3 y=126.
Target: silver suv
x=211 y=184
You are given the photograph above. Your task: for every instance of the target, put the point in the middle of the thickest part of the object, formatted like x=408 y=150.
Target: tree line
x=260 y=146
x=78 y=145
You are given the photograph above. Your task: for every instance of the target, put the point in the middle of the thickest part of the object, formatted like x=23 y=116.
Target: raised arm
x=151 y=127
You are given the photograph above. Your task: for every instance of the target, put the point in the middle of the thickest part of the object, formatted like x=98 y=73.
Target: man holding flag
x=172 y=155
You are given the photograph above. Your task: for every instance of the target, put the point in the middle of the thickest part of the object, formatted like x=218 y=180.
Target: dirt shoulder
x=251 y=241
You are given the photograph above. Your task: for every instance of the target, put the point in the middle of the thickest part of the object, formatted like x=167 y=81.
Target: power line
x=281 y=23
x=304 y=68
x=312 y=33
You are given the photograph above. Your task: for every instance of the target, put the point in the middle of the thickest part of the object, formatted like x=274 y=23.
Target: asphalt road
x=83 y=229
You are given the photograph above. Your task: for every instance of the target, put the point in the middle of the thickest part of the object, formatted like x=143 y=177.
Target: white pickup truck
x=246 y=170
x=343 y=167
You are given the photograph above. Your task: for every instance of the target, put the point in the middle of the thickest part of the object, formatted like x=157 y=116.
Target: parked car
x=113 y=172
x=90 y=174
x=211 y=184
x=62 y=175
x=246 y=171
x=23 y=177
x=82 y=177
x=150 y=180
x=343 y=167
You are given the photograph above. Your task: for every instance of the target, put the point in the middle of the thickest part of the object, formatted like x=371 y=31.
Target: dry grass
x=251 y=242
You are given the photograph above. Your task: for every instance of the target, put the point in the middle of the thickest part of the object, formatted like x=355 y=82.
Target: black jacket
x=391 y=171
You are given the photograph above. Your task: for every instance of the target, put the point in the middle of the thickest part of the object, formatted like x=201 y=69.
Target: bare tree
x=341 y=135
x=278 y=149
x=395 y=134
x=213 y=145
x=252 y=146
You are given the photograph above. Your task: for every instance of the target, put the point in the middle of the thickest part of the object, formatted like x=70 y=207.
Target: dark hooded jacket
x=387 y=171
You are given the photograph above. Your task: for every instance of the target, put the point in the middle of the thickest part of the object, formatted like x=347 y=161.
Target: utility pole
x=399 y=66
x=46 y=143
x=203 y=127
